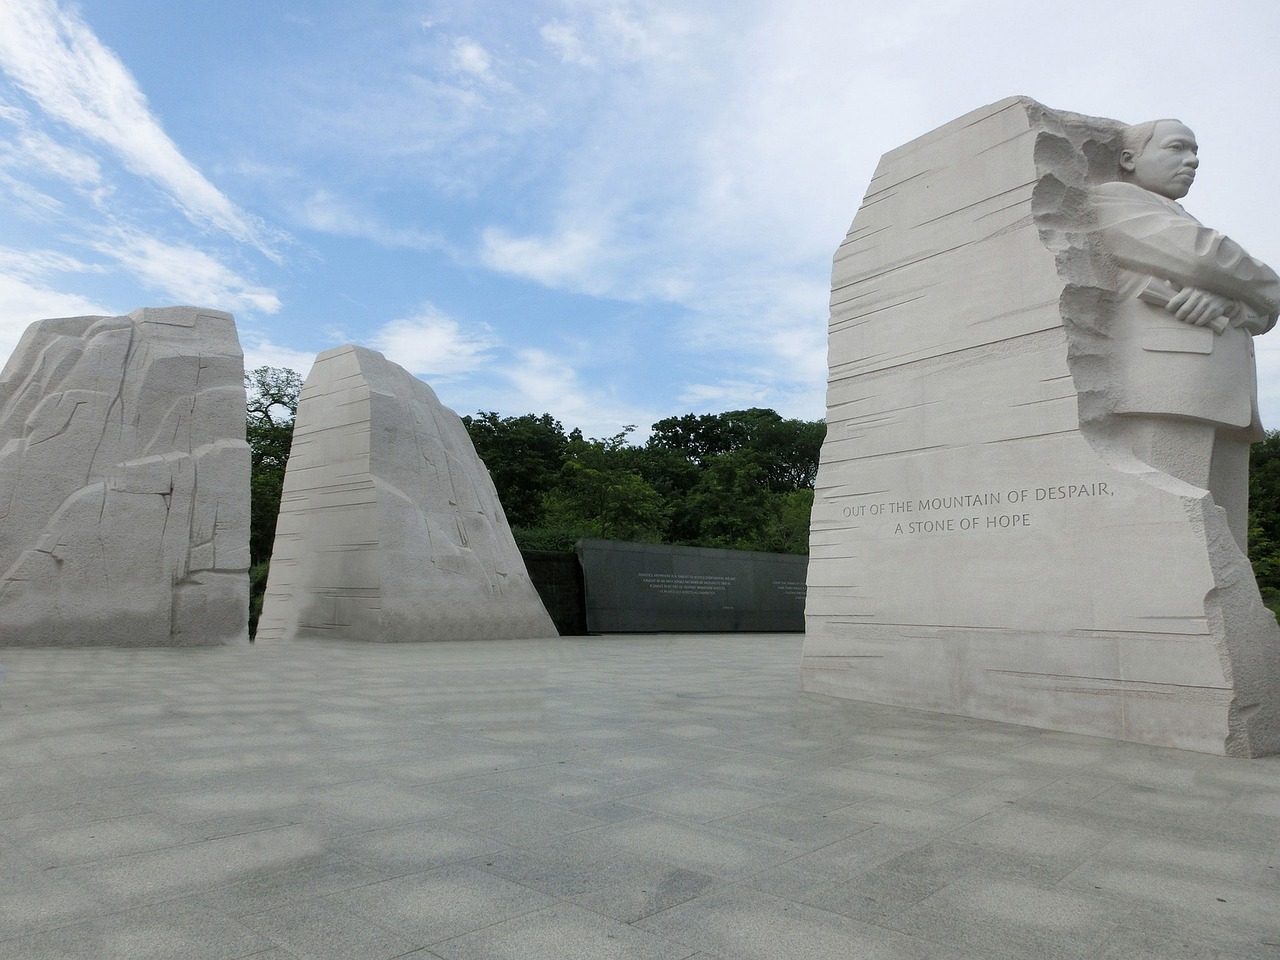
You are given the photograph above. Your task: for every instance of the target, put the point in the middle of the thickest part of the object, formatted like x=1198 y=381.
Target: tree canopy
x=271 y=395
x=1264 y=516
x=271 y=399
x=524 y=456
x=741 y=480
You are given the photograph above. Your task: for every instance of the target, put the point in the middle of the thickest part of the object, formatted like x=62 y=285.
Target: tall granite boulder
x=390 y=528
x=1028 y=508
x=124 y=482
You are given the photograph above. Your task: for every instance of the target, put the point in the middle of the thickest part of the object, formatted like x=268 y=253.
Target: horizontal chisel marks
x=1000 y=144
x=1048 y=435
x=877 y=194
x=858 y=235
x=1022 y=187
x=892 y=268
x=873 y=418
x=1120 y=684
x=959 y=357
x=851 y=494
x=861 y=318
x=1026 y=220
x=889 y=455
x=1049 y=307
x=981 y=116
x=1040 y=400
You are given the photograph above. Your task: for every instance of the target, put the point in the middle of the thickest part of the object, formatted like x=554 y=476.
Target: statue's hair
x=1136 y=136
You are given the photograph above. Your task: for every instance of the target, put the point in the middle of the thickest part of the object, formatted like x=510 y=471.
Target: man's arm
x=1148 y=234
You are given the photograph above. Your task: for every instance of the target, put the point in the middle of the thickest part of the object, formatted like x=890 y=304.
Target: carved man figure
x=1188 y=304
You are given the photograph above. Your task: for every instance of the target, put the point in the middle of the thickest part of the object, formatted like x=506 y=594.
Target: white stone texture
x=977 y=548
x=390 y=528
x=124 y=482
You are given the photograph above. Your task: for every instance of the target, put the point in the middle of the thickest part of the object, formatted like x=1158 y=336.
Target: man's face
x=1167 y=165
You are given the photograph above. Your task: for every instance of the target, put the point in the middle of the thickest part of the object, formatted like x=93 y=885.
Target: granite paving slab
x=604 y=797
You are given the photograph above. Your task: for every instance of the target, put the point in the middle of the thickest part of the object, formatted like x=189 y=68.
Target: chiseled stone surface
x=124 y=482
x=983 y=543
x=390 y=528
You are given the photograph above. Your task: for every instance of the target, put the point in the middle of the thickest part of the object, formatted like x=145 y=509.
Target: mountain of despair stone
x=124 y=482
x=390 y=528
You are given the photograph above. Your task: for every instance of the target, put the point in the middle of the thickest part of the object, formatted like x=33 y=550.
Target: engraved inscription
x=683 y=584
x=913 y=516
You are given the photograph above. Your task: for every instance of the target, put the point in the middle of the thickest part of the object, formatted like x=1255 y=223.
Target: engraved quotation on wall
x=685 y=584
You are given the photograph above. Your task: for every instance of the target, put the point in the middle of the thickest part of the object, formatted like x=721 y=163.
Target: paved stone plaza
x=645 y=797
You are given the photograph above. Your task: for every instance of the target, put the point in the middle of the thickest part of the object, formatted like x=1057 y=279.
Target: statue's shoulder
x=1123 y=190
x=1118 y=200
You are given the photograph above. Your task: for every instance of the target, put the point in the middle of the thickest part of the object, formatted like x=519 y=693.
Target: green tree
x=732 y=501
x=601 y=495
x=747 y=468
x=673 y=476
x=1264 y=516
x=272 y=402
x=524 y=456
x=271 y=399
x=741 y=479
x=787 y=530
x=787 y=449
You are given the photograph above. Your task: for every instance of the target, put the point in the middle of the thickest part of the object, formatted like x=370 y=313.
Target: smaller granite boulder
x=390 y=528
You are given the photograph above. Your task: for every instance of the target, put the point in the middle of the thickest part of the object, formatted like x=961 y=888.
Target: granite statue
x=1189 y=301
x=1028 y=506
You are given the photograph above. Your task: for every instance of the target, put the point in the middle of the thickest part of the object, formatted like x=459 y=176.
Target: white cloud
x=186 y=273
x=328 y=213
x=23 y=302
x=725 y=395
x=621 y=32
x=432 y=344
x=472 y=59
x=33 y=204
x=26 y=296
x=33 y=265
x=59 y=62
x=565 y=40
x=567 y=259
x=35 y=150
x=259 y=351
x=548 y=382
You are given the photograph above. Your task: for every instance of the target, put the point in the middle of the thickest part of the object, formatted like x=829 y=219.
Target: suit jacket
x=1159 y=364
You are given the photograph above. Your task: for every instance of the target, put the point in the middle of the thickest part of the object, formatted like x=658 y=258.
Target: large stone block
x=988 y=538
x=124 y=482
x=390 y=528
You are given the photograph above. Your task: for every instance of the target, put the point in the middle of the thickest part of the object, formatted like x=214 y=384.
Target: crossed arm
x=1216 y=277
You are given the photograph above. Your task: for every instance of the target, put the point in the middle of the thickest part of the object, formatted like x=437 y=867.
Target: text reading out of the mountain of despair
x=910 y=514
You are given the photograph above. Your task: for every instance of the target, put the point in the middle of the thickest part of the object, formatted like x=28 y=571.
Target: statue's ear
x=1127 y=161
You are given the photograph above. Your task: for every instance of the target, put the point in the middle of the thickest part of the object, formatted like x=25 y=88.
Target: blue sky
x=609 y=210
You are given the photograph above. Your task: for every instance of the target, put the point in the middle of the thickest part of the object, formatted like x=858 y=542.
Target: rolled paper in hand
x=1159 y=292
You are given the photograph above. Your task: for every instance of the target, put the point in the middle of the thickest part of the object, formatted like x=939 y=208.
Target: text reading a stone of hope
x=898 y=509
